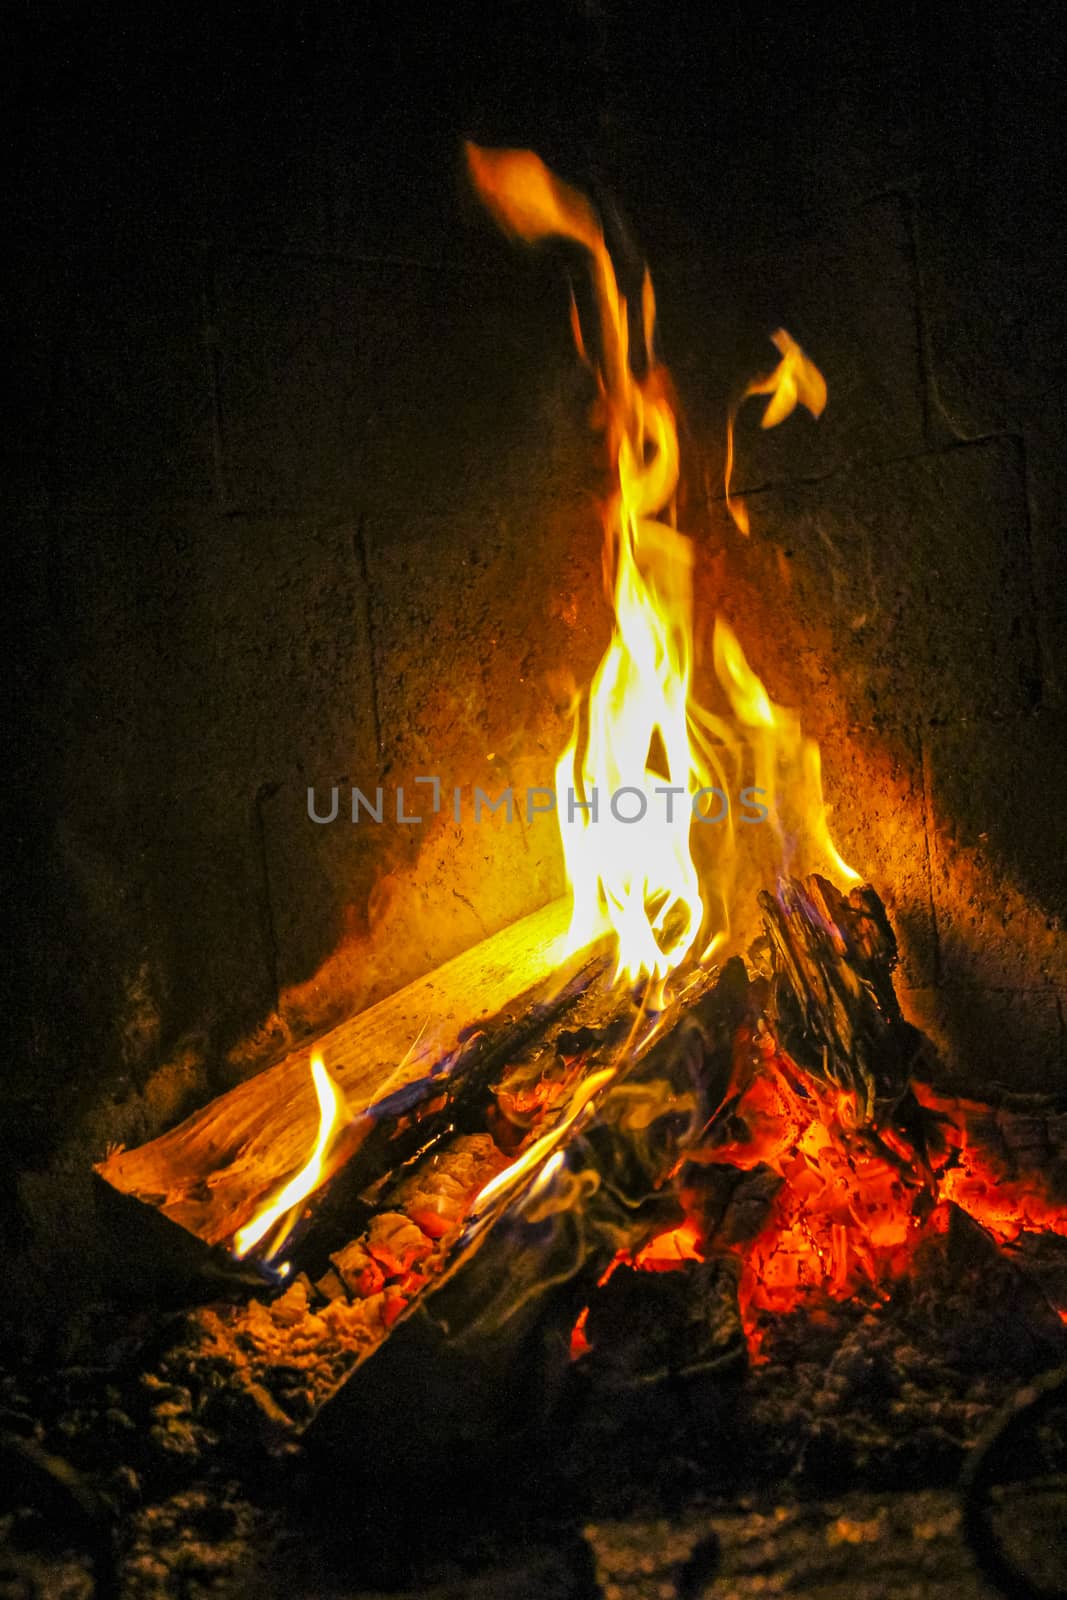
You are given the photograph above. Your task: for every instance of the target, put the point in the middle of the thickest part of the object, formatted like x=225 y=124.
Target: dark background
x=275 y=383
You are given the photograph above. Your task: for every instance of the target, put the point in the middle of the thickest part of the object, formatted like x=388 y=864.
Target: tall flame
x=645 y=764
x=306 y=1181
x=632 y=748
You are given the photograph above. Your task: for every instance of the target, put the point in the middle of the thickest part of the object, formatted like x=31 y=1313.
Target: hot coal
x=833 y=1276
x=177 y=1454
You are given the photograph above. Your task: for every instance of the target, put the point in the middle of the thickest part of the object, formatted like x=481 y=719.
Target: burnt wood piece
x=1021 y=1135
x=480 y=1355
x=298 y=1350
x=531 y=1089
x=832 y=1002
x=403 y=1066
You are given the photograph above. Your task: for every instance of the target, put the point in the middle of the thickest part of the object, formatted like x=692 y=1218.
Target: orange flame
x=547 y=1149
x=795 y=378
x=288 y=1199
x=643 y=759
x=778 y=745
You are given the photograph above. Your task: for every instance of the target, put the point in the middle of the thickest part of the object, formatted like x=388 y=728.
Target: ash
x=163 y=1463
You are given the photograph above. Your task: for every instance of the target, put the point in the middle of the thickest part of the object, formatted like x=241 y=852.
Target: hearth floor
x=858 y=1546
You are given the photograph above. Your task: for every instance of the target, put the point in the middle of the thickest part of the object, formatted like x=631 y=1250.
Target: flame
x=311 y=1174
x=787 y=764
x=795 y=378
x=547 y=1149
x=646 y=765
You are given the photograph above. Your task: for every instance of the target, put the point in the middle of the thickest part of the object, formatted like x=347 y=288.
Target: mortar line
x=214 y=366
x=773 y=236
x=924 y=349
x=334 y=257
x=872 y=464
x=473 y=909
x=1031 y=575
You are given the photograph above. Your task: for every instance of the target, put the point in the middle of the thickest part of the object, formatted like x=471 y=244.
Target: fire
x=646 y=765
x=850 y=1211
x=668 y=1250
x=1005 y=1204
x=795 y=378
x=855 y=1201
x=545 y=1152
x=284 y=1205
x=777 y=744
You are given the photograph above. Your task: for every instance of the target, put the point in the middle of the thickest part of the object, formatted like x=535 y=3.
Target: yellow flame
x=795 y=378
x=632 y=745
x=547 y=1148
x=311 y=1174
x=787 y=765
x=632 y=782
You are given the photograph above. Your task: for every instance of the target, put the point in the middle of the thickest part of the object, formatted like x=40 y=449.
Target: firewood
x=833 y=1002
x=481 y=1351
x=403 y=1066
x=441 y=1329
x=408 y=1241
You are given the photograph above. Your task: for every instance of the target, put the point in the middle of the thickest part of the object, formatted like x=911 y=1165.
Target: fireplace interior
x=747 y=1277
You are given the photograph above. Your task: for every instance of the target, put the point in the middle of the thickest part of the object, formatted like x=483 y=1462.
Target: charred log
x=832 y=959
x=482 y=1352
x=296 y=1351
x=421 y=1255
x=774 y=1118
x=406 y=1067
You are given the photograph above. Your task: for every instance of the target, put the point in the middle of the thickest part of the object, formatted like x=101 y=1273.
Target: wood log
x=436 y=1336
x=300 y=1349
x=402 y=1066
x=832 y=958
x=480 y=1353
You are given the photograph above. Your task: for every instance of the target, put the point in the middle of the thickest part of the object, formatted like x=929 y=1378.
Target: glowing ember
x=580 y=1345
x=646 y=765
x=547 y=1150
x=1003 y=1202
x=283 y=1207
x=669 y=1250
x=855 y=1201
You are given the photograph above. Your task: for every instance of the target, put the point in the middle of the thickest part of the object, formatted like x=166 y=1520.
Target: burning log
x=454 y=1254
x=481 y=1353
x=613 y=1140
x=836 y=1161
x=402 y=1069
